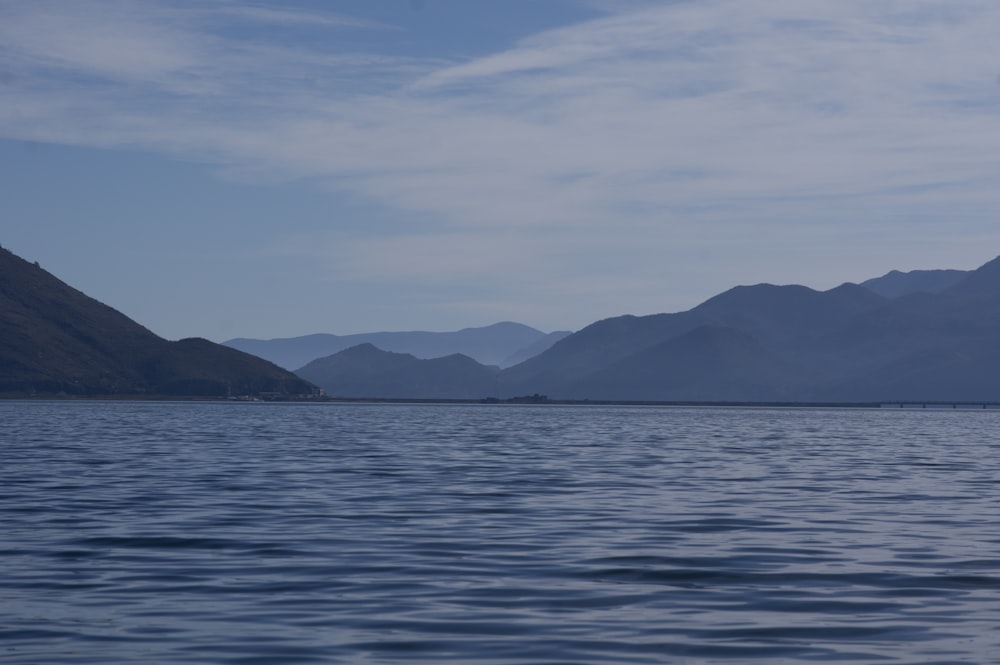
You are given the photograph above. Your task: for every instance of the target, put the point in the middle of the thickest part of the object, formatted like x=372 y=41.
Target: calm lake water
x=279 y=533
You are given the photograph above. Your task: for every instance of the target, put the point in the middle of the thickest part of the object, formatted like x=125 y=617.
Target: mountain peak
x=981 y=283
x=367 y=371
x=489 y=345
x=895 y=284
x=58 y=339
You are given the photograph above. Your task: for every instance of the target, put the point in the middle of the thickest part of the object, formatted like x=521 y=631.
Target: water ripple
x=258 y=533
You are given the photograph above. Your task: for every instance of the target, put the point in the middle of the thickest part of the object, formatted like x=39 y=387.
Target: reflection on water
x=266 y=533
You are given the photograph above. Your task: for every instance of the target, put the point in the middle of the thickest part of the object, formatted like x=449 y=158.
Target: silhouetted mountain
x=593 y=348
x=938 y=373
x=770 y=343
x=981 y=284
x=490 y=345
x=894 y=284
x=785 y=314
x=933 y=347
x=535 y=348
x=366 y=371
x=709 y=363
x=54 y=339
x=781 y=318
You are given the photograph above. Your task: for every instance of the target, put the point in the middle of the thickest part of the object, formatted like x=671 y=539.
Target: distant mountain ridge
x=501 y=344
x=895 y=284
x=55 y=339
x=919 y=336
x=366 y=371
x=935 y=338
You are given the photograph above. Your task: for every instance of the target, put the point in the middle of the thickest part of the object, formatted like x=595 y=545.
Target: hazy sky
x=269 y=169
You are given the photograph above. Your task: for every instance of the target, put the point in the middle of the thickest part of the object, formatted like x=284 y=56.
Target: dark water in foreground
x=260 y=533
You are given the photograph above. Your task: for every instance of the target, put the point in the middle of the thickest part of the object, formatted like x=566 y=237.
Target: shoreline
x=533 y=400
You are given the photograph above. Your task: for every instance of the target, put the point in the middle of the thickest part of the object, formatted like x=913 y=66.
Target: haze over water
x=278 y=533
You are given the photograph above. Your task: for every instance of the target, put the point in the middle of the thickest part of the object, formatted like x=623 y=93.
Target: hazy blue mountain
x=770 y=343
x=596 y=346
x=782 y=318
x=924 y=346
x=981 y=284
x=535 y=348
x=785 y=314
x=55 y=339
x=937 y=373
x=489 y=345
x=894 y=284
x=366 y=371
x=709 y=363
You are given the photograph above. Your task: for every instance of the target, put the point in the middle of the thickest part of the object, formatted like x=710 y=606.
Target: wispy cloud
x=663 y=123
x=290 y=17
x=119 y=41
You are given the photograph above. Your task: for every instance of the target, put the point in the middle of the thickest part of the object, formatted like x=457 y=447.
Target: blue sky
x=270 y=169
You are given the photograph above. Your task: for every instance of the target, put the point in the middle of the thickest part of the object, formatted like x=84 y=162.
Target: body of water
x=278 y=533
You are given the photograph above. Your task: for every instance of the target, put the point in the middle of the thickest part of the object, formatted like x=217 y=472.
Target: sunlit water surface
x=270 y=533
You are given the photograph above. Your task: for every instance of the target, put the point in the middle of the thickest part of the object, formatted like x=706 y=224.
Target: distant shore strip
x=523 y=400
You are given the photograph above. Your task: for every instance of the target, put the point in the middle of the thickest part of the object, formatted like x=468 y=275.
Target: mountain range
x=894 y=283
x=919 y=336
x=502 y=344
x=367 y=371
x=55 y=339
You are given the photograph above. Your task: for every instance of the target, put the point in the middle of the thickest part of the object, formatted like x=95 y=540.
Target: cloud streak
x=661 y=125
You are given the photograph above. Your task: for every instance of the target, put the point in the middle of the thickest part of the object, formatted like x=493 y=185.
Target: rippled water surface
x=278 y=533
